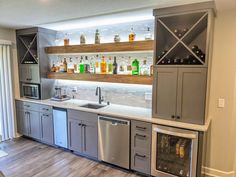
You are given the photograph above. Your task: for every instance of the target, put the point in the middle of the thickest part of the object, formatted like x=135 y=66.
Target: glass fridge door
x=173 y=155
x=174 y=152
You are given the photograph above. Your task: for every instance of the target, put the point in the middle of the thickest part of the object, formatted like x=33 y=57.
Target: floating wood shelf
x=106 y=47
x=127 y=79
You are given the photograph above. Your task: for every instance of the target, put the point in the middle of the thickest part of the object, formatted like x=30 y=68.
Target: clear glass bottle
x=129 y=66
x=132 y=35
x=70 y=68
x=65 y=65
x=122 y=66
x=145 y=69
x=82 y=39
x=97 y=37
x=97 y=64
x=92 y=65
x=148 y=35
x=66 y=40
x=103 y=66
x=86 y=65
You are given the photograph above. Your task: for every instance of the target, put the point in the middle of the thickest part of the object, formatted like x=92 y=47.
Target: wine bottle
x=115 y=66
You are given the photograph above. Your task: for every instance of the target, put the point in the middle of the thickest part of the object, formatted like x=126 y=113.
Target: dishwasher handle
x=114 y=121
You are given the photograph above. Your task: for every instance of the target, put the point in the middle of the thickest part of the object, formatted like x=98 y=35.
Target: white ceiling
x=25 y=13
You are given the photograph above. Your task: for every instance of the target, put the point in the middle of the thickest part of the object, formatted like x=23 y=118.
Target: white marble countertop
x=115 y=110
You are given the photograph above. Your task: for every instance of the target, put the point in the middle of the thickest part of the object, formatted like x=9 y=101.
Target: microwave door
x=174 y=152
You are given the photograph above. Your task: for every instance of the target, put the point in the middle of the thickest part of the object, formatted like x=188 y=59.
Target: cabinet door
x=24 y=74
x=75 y=135
x=164 y=92
x=34 y=124
x=46 y=128
x=90 y=139
x=191 y=95
x=22 y=121
x=34 y=73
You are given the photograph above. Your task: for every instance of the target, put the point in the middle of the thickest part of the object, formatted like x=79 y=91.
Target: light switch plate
x=221 y=103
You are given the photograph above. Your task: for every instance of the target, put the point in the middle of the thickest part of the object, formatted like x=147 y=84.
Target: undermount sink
x=93 y=106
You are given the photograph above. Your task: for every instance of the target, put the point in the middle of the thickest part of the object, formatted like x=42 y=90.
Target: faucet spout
x=99 y=94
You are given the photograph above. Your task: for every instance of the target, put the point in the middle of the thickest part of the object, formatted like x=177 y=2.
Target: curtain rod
x=5 y=42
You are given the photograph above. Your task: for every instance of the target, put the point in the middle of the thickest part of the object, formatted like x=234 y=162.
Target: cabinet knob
x=178 y=117
x=79 y=124
x=172 y=116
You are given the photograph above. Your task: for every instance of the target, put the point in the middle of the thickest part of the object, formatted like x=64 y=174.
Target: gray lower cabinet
x=179 y=94
x=141 y=147
x=47 y=128
x=21 y=121
x=83 y=133
x=34 y=124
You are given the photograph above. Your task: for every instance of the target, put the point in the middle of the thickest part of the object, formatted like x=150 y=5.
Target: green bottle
x=81 y=66
x=135 y=67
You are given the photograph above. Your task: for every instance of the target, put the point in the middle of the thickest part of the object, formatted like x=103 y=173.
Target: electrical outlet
x=221 y=103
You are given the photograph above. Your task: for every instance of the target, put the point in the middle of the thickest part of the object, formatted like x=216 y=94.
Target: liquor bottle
x=148 y=35
x=53 y=68
x=129 y=66
x=92 y=65
x=70 y=68
x=145 y=69
x=66 y=40
x=65 y=65
x=122 y=66
x=97 y=63
x=57 y=66
x=81 y=66
x=132 y=35
x=185 y=30
x=86 y=65
x=115 y=66
x=61 y=66
x=110 y=66
x=75 y=65
x=194 y=48
x=177 y=60
x=178 y=33
x=97 y=37
x=82 y=39
x=135 y=67
x=103 y=66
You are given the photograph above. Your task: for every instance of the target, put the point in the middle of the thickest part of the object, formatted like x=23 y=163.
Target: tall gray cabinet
x=32 y=60
x=181 y=63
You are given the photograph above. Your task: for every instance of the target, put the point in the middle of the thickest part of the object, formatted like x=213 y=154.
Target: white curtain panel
x=6 y=94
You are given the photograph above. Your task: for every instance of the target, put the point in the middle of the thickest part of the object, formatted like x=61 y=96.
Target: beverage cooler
x=174 y=152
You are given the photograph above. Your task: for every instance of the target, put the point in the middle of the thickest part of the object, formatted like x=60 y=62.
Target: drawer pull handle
x=143 y=136
x=142 y=128
x=45 y=109
x=178 y=117
x=45 y=115
x=138 y=155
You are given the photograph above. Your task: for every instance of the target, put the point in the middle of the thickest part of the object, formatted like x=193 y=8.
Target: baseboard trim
x=217 y=173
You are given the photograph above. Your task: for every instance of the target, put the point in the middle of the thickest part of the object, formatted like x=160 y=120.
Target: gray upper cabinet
x=29 y=73
x=191 y=95
x=179 y=94
x=83 y=133
x=165 y=92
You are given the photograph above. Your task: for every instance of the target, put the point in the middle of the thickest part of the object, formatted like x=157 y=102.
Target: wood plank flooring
x=28 y=158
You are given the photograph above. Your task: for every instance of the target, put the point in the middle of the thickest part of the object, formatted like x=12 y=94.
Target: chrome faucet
x=99 y=94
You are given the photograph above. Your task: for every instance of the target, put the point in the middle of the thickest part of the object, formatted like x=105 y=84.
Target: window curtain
x=7 y=128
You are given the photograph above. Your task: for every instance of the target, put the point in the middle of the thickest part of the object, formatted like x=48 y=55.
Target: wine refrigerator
x=174 y=152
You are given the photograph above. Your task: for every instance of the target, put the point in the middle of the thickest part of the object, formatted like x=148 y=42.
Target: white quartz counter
x=114 y=110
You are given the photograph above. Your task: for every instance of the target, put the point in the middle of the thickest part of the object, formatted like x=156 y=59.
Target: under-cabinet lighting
x=118 y=18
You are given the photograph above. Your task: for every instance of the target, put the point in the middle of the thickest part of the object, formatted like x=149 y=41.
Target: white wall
x=221 y=145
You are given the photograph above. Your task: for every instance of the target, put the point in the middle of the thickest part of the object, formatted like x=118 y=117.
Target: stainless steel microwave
x=31 y=91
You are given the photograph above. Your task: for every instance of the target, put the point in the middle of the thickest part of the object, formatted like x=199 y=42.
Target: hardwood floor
x=29 y=158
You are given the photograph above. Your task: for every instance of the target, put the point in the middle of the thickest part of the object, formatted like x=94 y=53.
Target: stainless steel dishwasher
x=114 y=141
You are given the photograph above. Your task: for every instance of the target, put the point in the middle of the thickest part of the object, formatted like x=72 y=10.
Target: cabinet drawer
x=141 y=127
x=31 y=106
x=140 y=162
x=141 y=141
x=80 y=115
x=46 y=109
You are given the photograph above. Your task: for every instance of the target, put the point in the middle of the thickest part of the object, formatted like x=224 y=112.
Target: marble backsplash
x=124 y=94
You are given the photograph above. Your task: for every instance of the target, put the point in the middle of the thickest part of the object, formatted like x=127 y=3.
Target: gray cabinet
x=46 y=128
x=34 y=124
x=75 y=135
x=29 y=73
x=179 y=94
x=21 y=121
x=141 y=147
x=82 y=132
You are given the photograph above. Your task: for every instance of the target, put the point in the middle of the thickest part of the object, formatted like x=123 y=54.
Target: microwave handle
x=172 y=133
